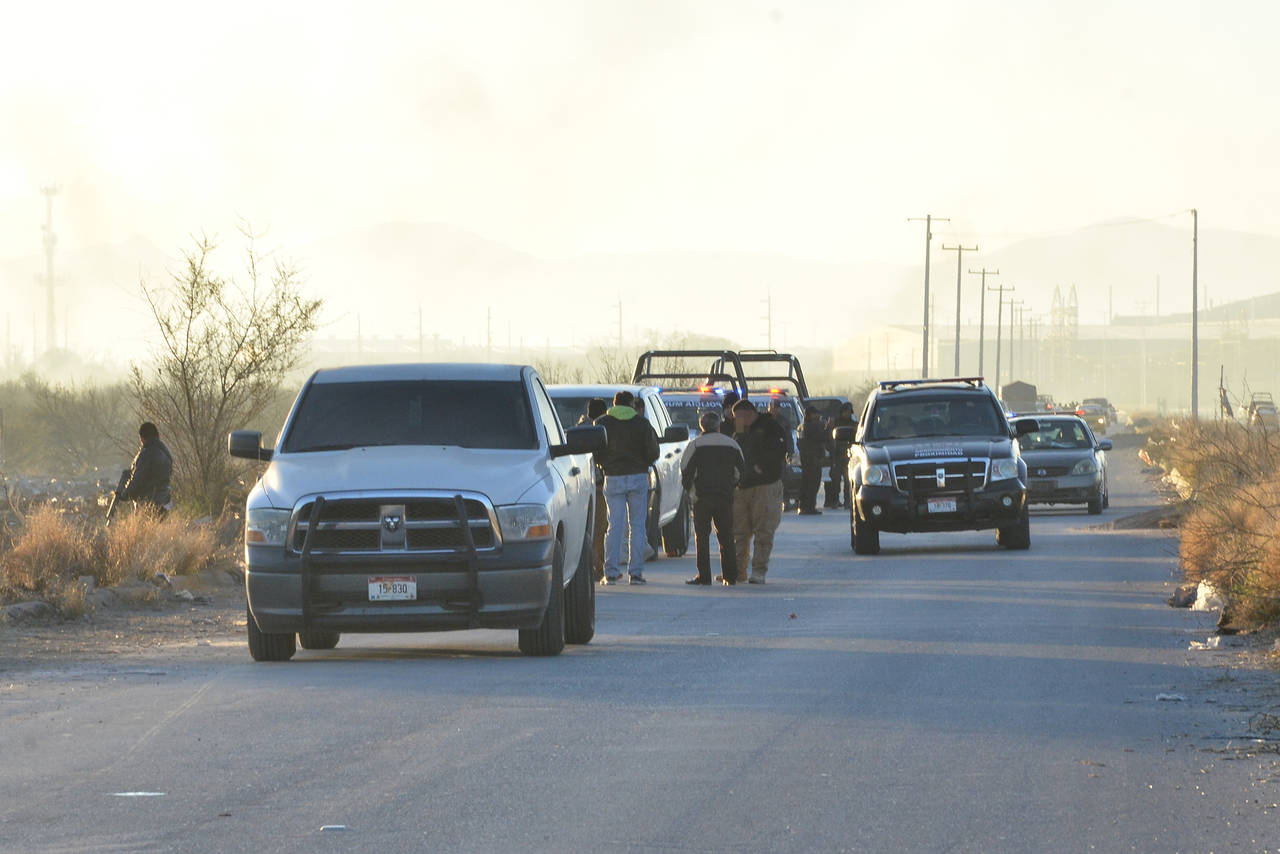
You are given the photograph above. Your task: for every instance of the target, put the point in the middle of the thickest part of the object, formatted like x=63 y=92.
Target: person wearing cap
x=711 y=469
x=148 y=482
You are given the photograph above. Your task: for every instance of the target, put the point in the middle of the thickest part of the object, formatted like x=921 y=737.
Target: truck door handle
x=575 y=471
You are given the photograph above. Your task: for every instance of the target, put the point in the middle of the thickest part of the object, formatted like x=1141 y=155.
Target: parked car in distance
x=1261 y=413
x=424 y=497
x=1108 y=410
x=670 y=513
x=1093 y=414
x=1066 y=463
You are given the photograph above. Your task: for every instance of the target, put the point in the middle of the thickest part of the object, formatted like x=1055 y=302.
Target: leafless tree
x=223 y=349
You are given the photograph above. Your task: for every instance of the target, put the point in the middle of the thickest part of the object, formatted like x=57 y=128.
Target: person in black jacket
x=839 y=476
x=632 y=447
x=757 y=503
x=711 y=468
x=148 y=482
x=812 y=445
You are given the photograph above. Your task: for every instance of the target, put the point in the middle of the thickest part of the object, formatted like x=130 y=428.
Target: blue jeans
x=627 y=498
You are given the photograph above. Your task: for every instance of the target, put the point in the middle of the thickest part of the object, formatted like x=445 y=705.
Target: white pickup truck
x=420 y=498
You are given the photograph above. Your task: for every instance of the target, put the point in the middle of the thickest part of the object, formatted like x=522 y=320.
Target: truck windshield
x=969 y=415
x=467 y=413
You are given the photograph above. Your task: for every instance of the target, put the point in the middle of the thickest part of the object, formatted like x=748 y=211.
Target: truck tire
x=318 y=640
x=269 y=646
x=1017 y=536
x=580 y=598
x=675 y=536
x=865 y=537
x=548 y=638
x=1095 y=503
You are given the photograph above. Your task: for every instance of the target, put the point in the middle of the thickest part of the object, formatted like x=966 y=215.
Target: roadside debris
x=1170 y=698
x=1207 y=643
x=1207 y=598
x=1184 y=596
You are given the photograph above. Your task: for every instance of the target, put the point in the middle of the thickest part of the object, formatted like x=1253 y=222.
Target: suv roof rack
x=890 y=385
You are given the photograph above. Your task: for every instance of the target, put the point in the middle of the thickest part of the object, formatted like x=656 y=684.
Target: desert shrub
x=1231 y=537
x=139 y=544
x=50 y=551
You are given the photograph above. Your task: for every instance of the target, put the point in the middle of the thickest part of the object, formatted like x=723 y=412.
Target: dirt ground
x=148 y=624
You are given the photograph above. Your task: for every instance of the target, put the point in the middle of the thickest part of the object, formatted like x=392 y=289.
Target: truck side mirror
x=1104 y=445
x=844 y=433
x=581 y=440
x=676 y=433
x=1023 y=426
x=247 y=444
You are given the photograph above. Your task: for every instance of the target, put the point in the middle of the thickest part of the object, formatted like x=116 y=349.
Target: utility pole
x=619 y=323
x=50 y=241
x=982 y=313
x=959 y=250
x=928 y=236
x=1013 y=307
x=1195 y=319
x=488 y=335
x=420 y=354
x=999 y=326
x=768 y=318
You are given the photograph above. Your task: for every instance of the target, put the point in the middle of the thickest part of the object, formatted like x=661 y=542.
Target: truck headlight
x=1004 y=469
x=266 y=526
x=875 y=475
x=524 y=522
x=1086 y=466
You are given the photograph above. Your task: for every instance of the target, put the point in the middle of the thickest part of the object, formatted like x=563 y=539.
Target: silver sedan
x=1066 y=463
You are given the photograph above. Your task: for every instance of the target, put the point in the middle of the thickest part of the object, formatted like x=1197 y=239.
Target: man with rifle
x=147 y=480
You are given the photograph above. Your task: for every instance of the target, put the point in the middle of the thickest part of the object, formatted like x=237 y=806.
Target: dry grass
x=52 y=549
x=139 y=545
x=1231 y=538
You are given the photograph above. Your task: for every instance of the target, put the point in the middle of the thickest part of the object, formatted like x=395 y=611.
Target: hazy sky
x=567 y=127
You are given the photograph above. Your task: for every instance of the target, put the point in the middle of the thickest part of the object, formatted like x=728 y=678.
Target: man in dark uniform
x=757 y=503
x=711 y=468
x=838 y=494
x=813 y=447
x=148 y=482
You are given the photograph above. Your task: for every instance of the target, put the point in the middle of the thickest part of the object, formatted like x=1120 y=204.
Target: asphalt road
x=944 y=696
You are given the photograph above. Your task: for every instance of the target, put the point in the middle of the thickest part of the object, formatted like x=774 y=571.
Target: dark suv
x=936 y=455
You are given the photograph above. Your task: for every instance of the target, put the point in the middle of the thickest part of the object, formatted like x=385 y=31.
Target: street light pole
x=1195 y=319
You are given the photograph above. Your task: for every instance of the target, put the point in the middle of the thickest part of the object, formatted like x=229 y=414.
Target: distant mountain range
x=376 y=280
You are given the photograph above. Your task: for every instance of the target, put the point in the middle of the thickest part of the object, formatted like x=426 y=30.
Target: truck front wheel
x=548 y=638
